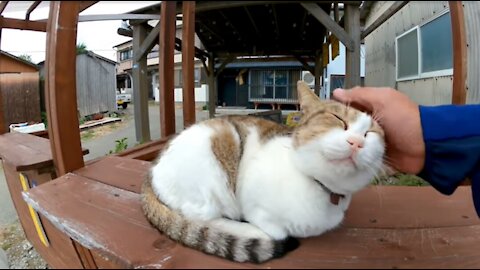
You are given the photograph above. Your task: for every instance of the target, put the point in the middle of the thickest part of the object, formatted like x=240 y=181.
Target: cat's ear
x=309 y=102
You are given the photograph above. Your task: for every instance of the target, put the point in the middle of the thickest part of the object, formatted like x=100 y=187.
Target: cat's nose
x=355 y=142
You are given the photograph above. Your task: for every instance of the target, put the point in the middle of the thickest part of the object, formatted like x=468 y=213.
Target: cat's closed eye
x=345 y=125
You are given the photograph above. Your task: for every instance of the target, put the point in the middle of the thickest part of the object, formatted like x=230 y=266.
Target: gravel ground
x=19 y=251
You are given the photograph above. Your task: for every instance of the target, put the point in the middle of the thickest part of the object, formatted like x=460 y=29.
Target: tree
x=82 y=48
x=26 y=57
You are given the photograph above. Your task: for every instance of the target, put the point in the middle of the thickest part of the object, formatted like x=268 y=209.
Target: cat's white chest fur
x=275 y=195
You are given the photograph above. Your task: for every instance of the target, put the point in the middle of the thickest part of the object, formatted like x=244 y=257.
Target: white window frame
x=420 y=74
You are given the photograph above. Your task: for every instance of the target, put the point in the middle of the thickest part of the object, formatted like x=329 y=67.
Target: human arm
x=439 y=143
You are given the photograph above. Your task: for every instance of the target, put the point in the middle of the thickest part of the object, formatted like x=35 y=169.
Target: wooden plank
x=25 y=151
x=330 y=24
x=122 y=234
x=410 y=207
x=120 y=172
x=23 y=24
x=188 y=58
x=140 y=86
x=60 y=89
x=460 y=65
x=147 y=151
x=352 y=60
x=60 y=253
x=394 y=8
x=166 y=68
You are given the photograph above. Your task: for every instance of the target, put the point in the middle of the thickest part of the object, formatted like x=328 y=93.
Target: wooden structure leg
x=167 y=45
x=352 y=27
x=211 y=86
x=188 y=55
x=318 y=72
x=140 y=86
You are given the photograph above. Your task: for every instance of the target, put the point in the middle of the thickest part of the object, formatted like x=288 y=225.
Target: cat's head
x=340 y=146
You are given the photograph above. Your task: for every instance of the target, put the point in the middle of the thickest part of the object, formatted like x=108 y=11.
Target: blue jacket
x=452 y=147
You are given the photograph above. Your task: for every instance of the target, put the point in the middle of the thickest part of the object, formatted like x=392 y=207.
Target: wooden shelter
x=89 y=215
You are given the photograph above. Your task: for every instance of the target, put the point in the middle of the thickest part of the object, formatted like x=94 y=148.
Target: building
x=415 y=51
x=124 y=72
x=96 y=84
x=19 y=91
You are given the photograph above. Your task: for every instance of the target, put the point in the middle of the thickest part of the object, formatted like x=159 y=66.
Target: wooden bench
x=99 y=207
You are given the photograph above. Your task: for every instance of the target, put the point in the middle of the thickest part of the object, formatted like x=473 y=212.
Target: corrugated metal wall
x=380 y=52
x=96 y=85
x=472 y=28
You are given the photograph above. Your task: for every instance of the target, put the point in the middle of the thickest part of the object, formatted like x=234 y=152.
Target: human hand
x=399 y=116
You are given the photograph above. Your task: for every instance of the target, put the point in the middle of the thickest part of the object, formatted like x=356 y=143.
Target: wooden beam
x=352 y=61
x=318 y=72
x=140 y=87
x=31 y=9
x=252 y=21
x=23 y=24
x=3 y=5
x=147 y=44
x=60 y=87
x=229 y=59
x=330 y=24
x=86 y=4
x=211 y=86
x=459 y=39
x=304 y=63
x=166 y=51
x=188 y=58
x=384 y=17
x=110 y=17
x=199 y=53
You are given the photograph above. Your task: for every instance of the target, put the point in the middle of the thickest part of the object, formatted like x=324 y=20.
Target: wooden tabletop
x=25 y=151
x=386 y=227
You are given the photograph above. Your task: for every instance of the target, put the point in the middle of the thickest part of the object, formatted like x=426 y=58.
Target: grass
x=87 y=135
x=400 y=179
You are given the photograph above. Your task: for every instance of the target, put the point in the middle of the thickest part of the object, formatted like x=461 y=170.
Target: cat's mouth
x=345 y=161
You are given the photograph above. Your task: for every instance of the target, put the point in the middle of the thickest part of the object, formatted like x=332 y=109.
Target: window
x=273 y=84
x=426 y=50
x=126 y=54
x=178 y=77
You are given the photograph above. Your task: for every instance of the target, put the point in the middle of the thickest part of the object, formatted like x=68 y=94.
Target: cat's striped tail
x=213 y=237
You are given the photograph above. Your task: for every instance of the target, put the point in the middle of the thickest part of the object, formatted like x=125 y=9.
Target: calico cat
x=241 y=187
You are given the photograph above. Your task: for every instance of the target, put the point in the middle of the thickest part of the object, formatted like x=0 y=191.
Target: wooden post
x=61 y=97
x=211 y=86
x=188 y=55
x=318 y=72
x=352 y=27
x=459 y=40
x=140 y=87
x=60 y=86
x=166 y=50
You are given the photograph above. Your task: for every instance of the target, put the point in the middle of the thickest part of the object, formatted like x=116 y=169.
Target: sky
x=99 y=36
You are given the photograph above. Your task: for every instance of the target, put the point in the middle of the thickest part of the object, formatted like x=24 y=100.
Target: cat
x=244 y=188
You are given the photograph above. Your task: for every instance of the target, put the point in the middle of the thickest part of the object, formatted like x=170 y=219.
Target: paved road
x=101 y=146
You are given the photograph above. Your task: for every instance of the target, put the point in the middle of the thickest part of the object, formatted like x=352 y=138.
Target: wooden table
x=386 y=227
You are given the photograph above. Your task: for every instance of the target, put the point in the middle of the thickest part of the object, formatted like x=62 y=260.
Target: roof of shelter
x=256 y=28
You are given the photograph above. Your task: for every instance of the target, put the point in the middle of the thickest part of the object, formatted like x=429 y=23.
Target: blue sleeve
x=452 y=147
